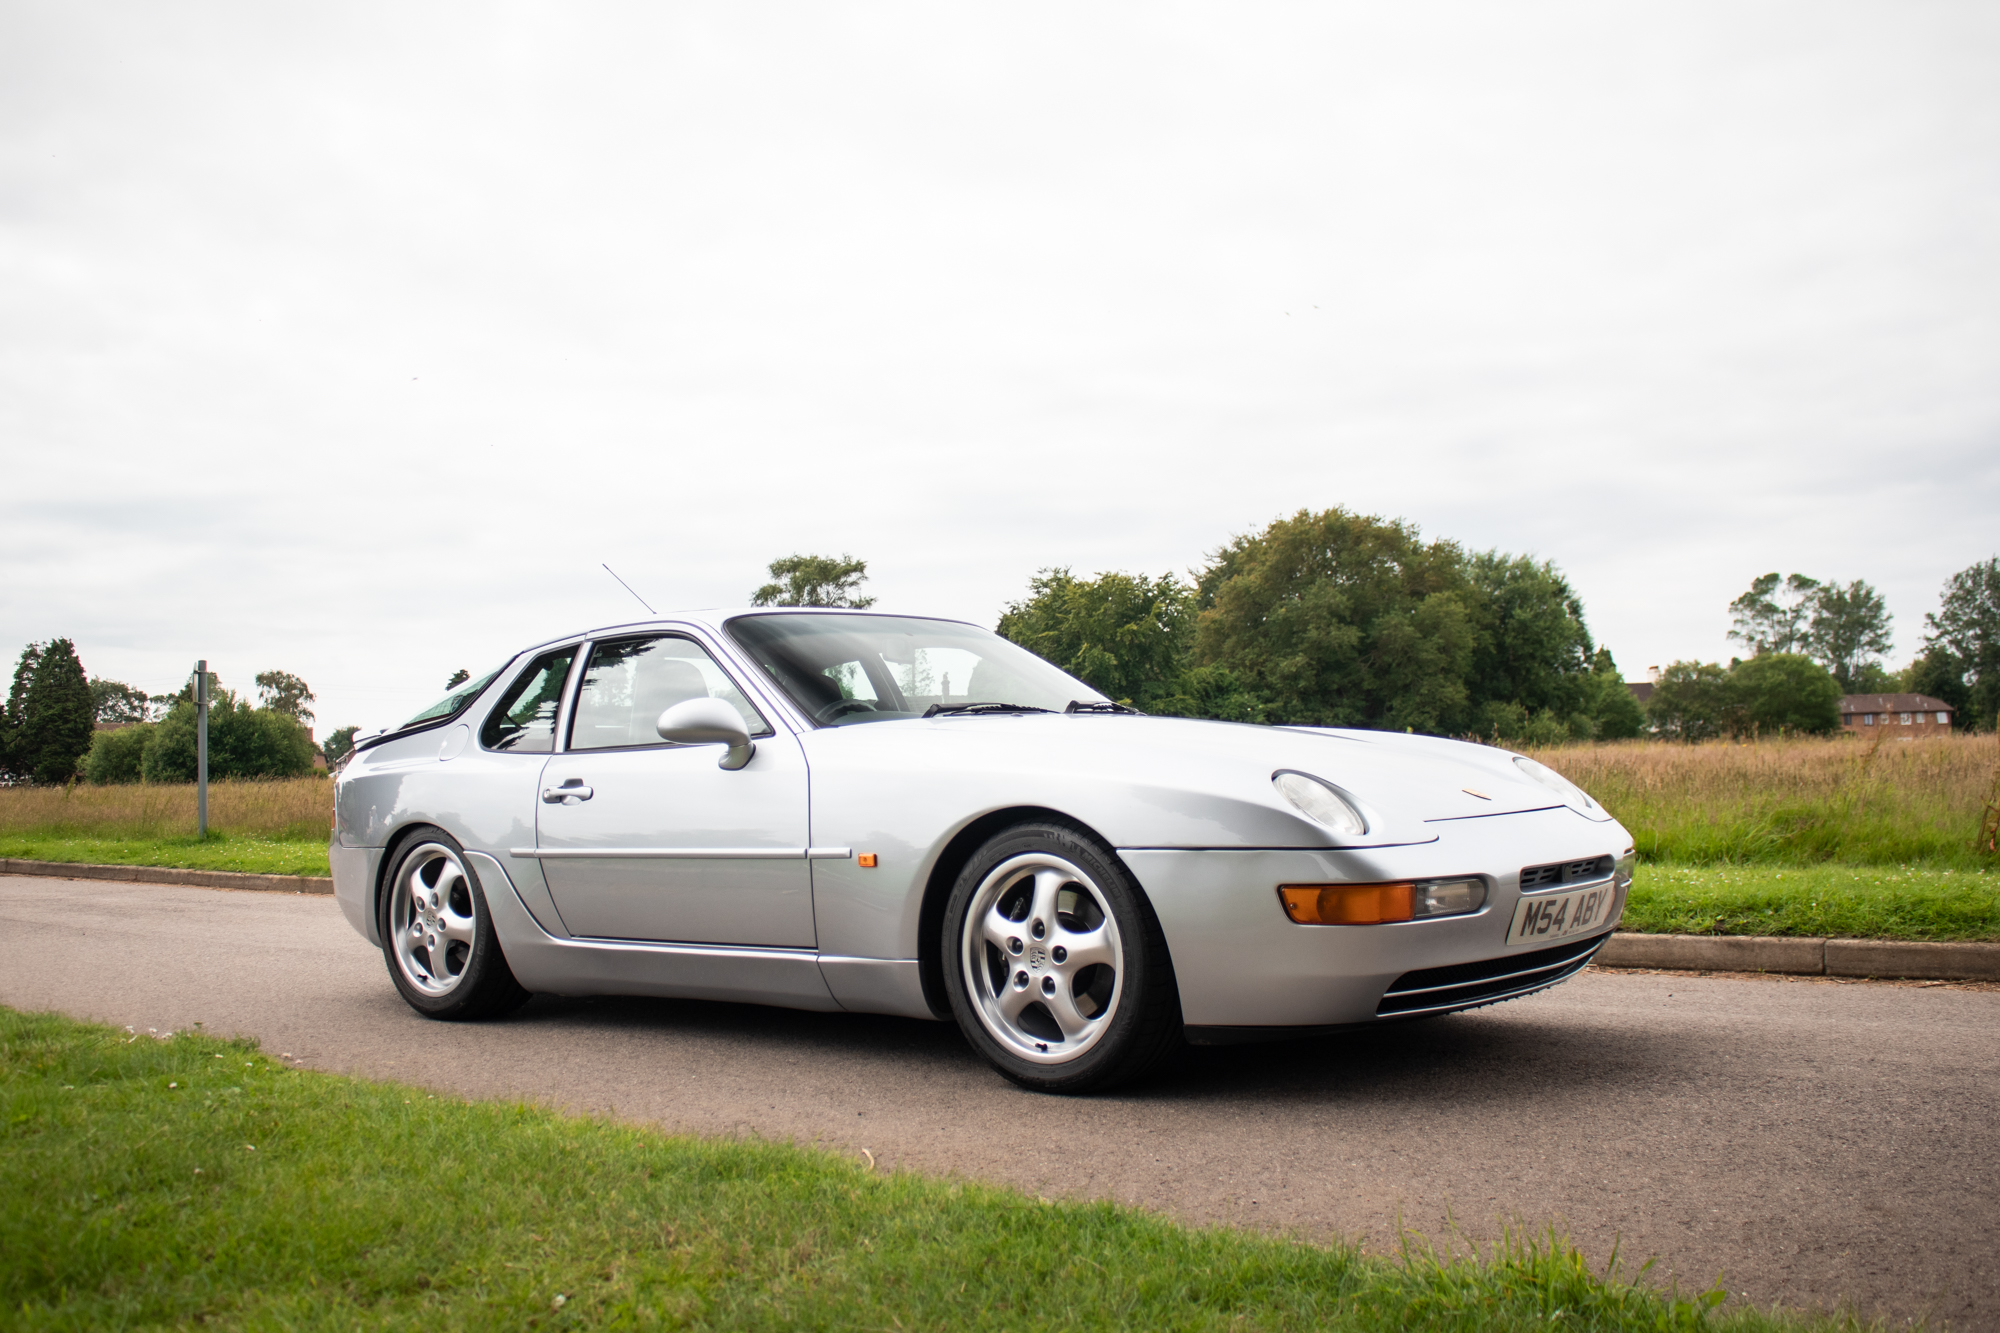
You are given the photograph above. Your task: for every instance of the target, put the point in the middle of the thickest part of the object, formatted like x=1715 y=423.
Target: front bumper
x=1242 y=965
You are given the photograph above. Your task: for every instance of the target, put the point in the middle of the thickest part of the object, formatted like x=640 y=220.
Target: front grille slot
x=1463 y=985
x=1564 y=872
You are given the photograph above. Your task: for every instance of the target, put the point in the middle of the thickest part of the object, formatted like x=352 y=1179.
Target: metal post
x=201 y=748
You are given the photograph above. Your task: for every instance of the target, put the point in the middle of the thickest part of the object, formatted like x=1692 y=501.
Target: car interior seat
x=662 y=682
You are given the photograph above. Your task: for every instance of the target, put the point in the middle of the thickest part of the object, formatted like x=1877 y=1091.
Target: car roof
x=713 y=617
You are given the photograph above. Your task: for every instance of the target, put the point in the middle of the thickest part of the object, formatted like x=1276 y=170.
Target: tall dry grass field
x=284 y=810
x=1801 y=801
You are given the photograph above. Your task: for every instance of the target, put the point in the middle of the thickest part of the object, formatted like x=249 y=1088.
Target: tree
x=458 y=678
x=1126 y=635
x=11 y=764
x=282 y=692
x=1770 y=695
x=1874 y=678
x=1341 y=619
x=1938 y=673
x=341 y=743
x=1693 y=701
x=185 y=695
x=1533 y=651
x=1784 y=692
x=116 y=703
x=55 y=721
x=1966 y=626
x=814 y=580
x=1614 y=711
x=1848 y=630
x=1773 y=617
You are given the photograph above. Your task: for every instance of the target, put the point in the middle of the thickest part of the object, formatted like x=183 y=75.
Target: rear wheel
x=1056 y=968
x=437 y=934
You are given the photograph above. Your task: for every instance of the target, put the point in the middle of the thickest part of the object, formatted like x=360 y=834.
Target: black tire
x=447 y=930
x=1004 y=959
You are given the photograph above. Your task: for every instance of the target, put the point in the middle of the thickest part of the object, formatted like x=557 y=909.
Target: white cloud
x=351 y=341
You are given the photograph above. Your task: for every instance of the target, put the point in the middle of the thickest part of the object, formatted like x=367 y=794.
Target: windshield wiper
x=1100 y=706
x=940 y=710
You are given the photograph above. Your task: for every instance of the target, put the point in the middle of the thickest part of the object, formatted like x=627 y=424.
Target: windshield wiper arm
x=1100 y=706
x=940 y=710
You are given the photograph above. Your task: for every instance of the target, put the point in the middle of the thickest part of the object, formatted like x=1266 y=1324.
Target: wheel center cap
x=1038 y=957
x=430 y=916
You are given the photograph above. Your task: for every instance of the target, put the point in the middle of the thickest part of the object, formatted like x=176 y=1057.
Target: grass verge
x=1863 y=902
x=189 y=1180
x=1794 y=801
x=219 y=851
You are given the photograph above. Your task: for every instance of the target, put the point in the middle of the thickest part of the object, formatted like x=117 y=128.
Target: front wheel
x=1057 y=970
x=438 y=934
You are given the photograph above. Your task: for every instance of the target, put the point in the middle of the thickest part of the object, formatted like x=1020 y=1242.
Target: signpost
x=201 y=748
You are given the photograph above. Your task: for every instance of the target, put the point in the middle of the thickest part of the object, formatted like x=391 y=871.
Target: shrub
x=1771 y=694
x=242 y=743
x=118 y=756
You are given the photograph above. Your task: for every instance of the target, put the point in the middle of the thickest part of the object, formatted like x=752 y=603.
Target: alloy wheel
x=1043 y=962
x=433 y=919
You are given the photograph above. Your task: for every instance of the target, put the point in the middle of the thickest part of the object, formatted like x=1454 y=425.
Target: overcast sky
x=350 y=340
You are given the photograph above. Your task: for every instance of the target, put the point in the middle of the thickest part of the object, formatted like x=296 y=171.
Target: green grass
x=1866 y=902
x=185 y=1180
x=219 y=851
x=1794 y=802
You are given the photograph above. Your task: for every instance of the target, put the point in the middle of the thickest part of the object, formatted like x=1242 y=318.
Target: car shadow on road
x=1486 y=1057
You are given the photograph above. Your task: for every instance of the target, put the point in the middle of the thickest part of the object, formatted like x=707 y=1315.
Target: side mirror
x=708 y=722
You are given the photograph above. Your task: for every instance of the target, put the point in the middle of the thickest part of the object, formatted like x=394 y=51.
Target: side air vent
x=1565 y=872
x=1464 y=985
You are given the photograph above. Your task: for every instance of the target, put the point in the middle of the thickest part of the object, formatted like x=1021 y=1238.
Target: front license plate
x=1547 y=917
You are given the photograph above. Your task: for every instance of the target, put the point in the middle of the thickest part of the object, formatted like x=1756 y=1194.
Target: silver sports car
x=887 y=814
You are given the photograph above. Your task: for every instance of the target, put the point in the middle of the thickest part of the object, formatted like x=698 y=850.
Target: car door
x=641 y=839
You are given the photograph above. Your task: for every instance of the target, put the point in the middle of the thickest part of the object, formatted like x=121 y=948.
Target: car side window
x=524 y=721
x=630 y=682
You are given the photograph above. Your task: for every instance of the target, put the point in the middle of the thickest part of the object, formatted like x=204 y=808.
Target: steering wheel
x=839 y=706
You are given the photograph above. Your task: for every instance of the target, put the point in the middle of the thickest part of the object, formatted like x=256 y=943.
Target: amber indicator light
x=1348 y=904
x=866 y=860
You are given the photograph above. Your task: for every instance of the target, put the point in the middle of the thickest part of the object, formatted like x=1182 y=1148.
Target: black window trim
x=528 y=660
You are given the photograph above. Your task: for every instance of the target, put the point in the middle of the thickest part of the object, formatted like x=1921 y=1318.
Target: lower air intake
x=1464 y=985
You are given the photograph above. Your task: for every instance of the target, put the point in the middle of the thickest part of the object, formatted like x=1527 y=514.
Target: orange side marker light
x=866 y=860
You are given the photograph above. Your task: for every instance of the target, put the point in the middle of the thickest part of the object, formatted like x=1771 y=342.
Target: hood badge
x=1480 y=794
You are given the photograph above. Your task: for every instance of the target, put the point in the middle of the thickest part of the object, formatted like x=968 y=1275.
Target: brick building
x=1911 y=715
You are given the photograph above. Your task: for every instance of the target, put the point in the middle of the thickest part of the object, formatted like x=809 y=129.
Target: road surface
x=1804 y=1141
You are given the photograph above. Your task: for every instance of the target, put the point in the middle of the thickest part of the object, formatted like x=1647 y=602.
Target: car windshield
x=842 y=669
x=452 y=704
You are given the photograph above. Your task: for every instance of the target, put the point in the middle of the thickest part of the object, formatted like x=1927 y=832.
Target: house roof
x=1893 y=703
x=1642 y=690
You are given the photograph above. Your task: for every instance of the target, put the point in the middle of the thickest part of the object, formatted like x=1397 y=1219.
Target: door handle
x=570 y=791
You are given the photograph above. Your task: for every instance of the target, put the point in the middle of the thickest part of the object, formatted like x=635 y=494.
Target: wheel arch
x=944 y=874
x=392 y=851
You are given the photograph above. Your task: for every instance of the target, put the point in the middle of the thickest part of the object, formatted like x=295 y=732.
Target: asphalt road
x=1805 y=1142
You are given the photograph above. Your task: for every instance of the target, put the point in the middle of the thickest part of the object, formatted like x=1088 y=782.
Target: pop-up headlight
x=1555 y=782
x=1318 y=800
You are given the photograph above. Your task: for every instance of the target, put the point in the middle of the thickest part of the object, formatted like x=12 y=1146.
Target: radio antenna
x=628 y=588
